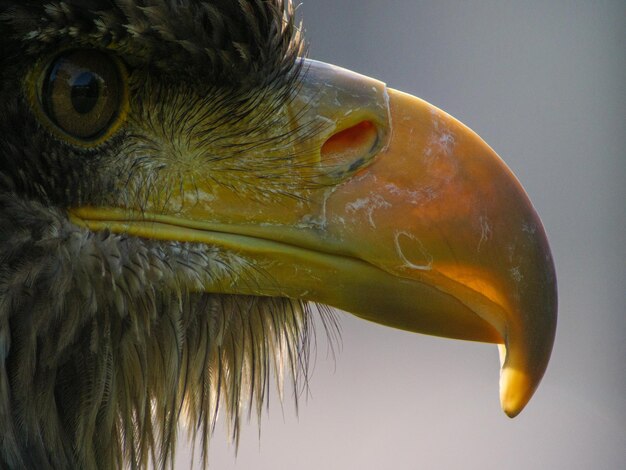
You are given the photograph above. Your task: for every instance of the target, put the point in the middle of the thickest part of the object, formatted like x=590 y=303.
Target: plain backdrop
x=544 y=83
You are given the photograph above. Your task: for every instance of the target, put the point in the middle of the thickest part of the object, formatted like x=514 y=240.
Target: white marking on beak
x=408 y=263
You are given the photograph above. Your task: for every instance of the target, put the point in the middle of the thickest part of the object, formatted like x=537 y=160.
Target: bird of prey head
x=178 y=184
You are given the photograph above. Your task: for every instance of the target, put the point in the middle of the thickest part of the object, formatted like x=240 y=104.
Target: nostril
x=351 y=146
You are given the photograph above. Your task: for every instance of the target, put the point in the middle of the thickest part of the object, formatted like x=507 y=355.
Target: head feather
x=107 y=341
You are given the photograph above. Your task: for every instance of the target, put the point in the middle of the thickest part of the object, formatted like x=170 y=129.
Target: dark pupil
x=85 y=91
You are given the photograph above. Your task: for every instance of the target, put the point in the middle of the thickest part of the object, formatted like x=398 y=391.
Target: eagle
x=183 y=192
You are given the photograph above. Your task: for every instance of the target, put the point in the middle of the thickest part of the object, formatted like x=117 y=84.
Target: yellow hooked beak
x=407 y=219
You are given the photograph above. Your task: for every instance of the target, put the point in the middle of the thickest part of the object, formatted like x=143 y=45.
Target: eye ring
x=83 y=95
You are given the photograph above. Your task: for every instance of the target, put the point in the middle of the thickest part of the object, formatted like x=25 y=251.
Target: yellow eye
x=84 y=94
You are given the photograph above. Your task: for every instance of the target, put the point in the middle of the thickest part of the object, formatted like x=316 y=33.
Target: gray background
x=543 y=82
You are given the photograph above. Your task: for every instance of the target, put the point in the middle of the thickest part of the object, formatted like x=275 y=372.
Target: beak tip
x=511 y=412
x=516 y=390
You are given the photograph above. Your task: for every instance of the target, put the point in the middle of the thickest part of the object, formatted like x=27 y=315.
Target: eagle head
x=181 y=190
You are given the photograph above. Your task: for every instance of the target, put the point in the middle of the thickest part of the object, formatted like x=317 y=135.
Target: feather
x=108 y=342
x=100 y=377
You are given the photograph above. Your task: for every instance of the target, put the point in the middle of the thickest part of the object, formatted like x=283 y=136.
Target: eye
x=83 y=93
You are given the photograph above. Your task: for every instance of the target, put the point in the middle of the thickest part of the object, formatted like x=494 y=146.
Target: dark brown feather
x=107 y=342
